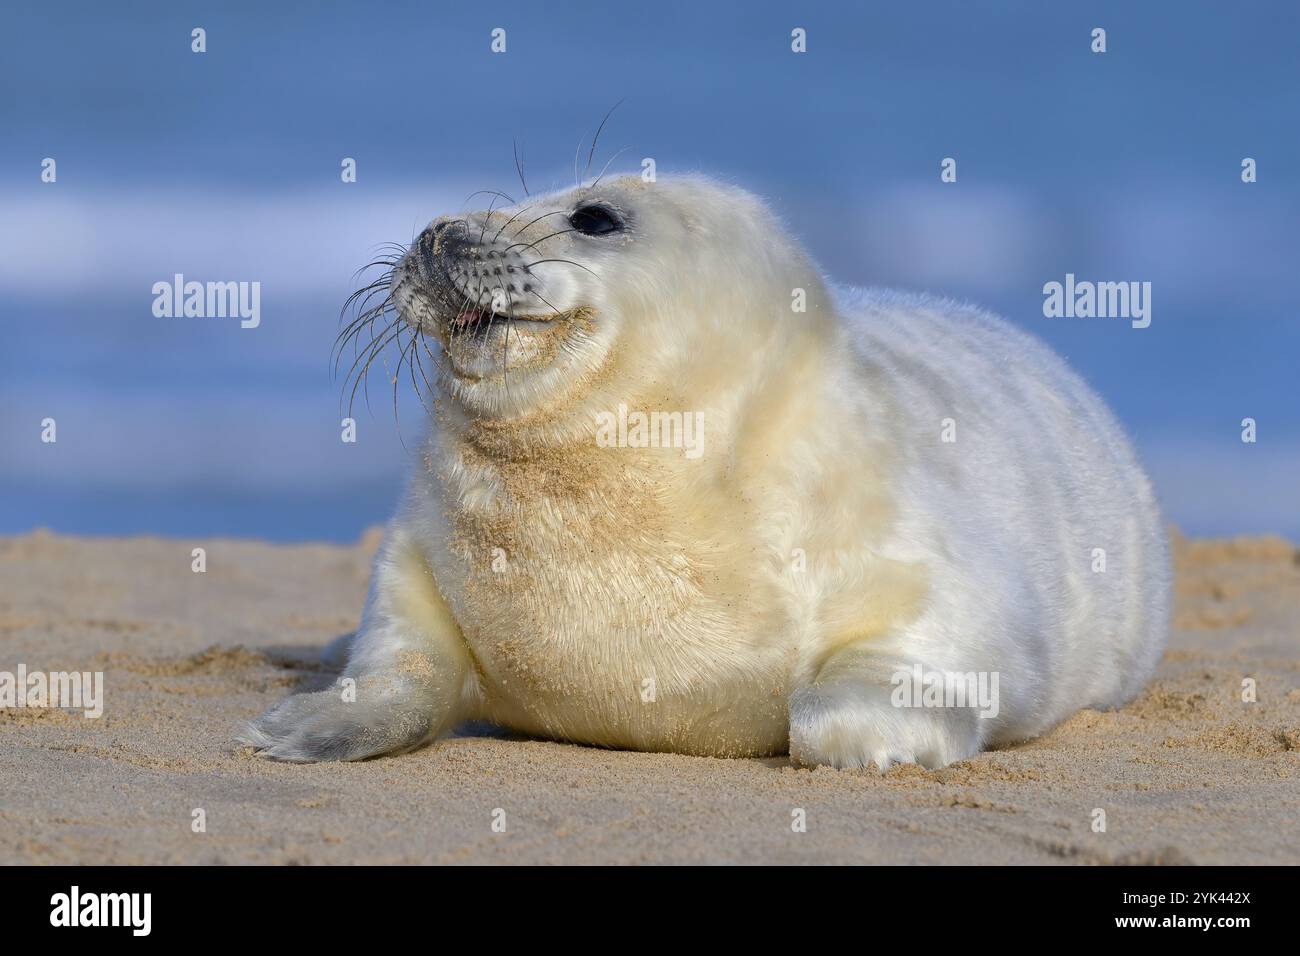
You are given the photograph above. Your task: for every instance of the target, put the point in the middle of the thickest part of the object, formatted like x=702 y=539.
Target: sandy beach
x=1187 y=773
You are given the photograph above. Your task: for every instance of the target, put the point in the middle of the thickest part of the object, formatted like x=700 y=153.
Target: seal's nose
x=438 y=240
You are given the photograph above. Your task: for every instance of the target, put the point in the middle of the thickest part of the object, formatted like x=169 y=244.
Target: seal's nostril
x=439 y=234
x=424 y=248
x=425 y=241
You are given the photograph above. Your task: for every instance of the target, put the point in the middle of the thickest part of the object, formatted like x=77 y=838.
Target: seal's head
x=530 y=302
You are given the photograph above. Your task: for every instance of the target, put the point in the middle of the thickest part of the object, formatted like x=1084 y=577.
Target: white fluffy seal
x=884 y=494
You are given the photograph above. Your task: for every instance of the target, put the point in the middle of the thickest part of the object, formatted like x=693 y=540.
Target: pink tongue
x=468 y=316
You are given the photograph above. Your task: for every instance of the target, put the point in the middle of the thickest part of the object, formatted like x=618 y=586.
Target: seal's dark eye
x=595 y=221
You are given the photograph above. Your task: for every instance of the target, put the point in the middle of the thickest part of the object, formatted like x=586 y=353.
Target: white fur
x=769 y=590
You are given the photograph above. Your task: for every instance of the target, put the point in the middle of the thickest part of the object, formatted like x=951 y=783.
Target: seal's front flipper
x=860 y=712
x=346 y=722
x=408 y=676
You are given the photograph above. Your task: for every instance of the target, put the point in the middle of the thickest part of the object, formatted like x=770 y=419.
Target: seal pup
x=883 y=493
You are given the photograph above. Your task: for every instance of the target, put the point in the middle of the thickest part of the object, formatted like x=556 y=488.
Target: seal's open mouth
x=482 y=344
x=485 y=318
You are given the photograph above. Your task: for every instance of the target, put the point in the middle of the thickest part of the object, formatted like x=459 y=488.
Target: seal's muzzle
x=464 y=267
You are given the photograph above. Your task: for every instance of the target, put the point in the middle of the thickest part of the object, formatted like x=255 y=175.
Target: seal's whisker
x=536 y=280
x=353 y=338
x=364 y=355
x=364 y=377
x=519 y=166
x=607 y=165
x=392 y=259
x=520 y=230
x=486 y=219
x=389 y=261
x=595 y=139
x=474 y=303
x=491 y=192
x=411 y=363
x=368 y=311
x=413 y=360
x=352 y=398
x=364 y=308
x=422 y=344
x=360 y=299
x=522 y=210
x=381 y=283
x=370 y=353
x=358 y=325
x=568 y=261
x=437 y=360
x=397 y=377
x=548 y=305
x=466 y=302
x=530 y=245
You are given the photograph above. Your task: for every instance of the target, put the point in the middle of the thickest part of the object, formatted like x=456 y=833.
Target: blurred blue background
x=225 y=166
